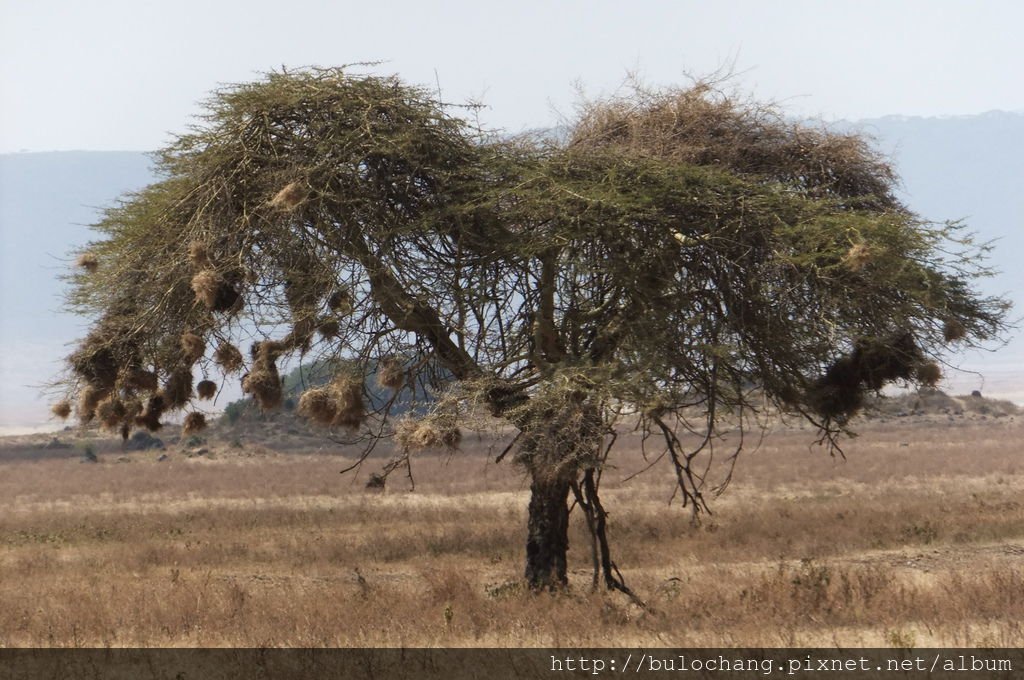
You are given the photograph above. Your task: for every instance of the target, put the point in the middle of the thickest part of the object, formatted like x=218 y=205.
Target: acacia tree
x=680 y=259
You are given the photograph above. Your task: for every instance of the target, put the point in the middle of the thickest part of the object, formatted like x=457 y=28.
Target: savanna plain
x=916 y=538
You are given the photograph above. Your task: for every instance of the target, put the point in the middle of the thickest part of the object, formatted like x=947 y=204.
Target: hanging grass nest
x=228 y=357
x=302 y=332
x=289 y=196
x=205 y=285
x=391 y=374
x=132 y=409
x=206 y=389
x=178 y=389
x=882 y=362
x=857 y=257
x=427 y=433
x=111 y=412
x=263 y=382
x=953 y=330
x=88 y=262
x=194 y=422
x=198 y=255
x=318 y=405
x=338 y=404
x=328 y=328
x=88 y=399
x=348 y=398
x=193 y=347
x=150 y=416
x=95 y=362
x=340 y=302
x=839 y=394
x=62 y=409
x=142 y=380
x=214 y=292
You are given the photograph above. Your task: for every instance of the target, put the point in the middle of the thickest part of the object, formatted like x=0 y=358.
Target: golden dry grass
x=917 y=539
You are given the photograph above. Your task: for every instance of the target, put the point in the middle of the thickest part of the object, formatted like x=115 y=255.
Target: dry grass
x=917 y=539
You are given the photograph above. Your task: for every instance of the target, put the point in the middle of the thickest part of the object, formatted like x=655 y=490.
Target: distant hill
x=964 y=167
x=46 y=202
x=969 y=167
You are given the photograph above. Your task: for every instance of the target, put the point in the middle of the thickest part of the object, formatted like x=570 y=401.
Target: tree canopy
x=679 y=258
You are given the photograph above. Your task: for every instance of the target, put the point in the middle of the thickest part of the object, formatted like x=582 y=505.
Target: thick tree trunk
x=547 y=533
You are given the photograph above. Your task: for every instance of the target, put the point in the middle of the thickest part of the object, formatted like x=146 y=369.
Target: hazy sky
x=122 y=74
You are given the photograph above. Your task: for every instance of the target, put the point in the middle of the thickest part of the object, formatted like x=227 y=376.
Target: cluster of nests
x=115 y=392
x=340 y=403
x=337 y=404
x=839 y=394
x=217 y=292
x=116 y=387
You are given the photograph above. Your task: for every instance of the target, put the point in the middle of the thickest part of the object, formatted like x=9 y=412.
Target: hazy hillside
x=46 y=201
x=968 y=167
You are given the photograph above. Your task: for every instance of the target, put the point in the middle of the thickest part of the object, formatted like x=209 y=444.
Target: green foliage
x=680 y=249
x=313 y=374
x=234 y=411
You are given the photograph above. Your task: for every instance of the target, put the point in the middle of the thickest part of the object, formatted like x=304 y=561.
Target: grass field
x=916 y=539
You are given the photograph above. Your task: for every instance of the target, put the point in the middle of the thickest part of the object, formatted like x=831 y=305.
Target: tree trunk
x=547 y=533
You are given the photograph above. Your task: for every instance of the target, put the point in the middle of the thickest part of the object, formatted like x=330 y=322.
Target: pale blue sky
x=125 y=74
x=122 y=74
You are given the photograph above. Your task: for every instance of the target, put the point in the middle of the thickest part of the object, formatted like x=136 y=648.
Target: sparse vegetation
x=921 y=545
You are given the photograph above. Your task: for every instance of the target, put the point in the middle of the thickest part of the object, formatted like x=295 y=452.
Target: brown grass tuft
x=289 y=197
x=88 y=262
x=391 y=374
x=194 y=422
x=206 y=389
x=193 y=347
x=62 y=409
x=953 y=330
x=228 y=357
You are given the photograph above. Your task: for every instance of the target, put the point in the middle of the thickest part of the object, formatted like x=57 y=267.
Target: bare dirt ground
x=915 y=539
